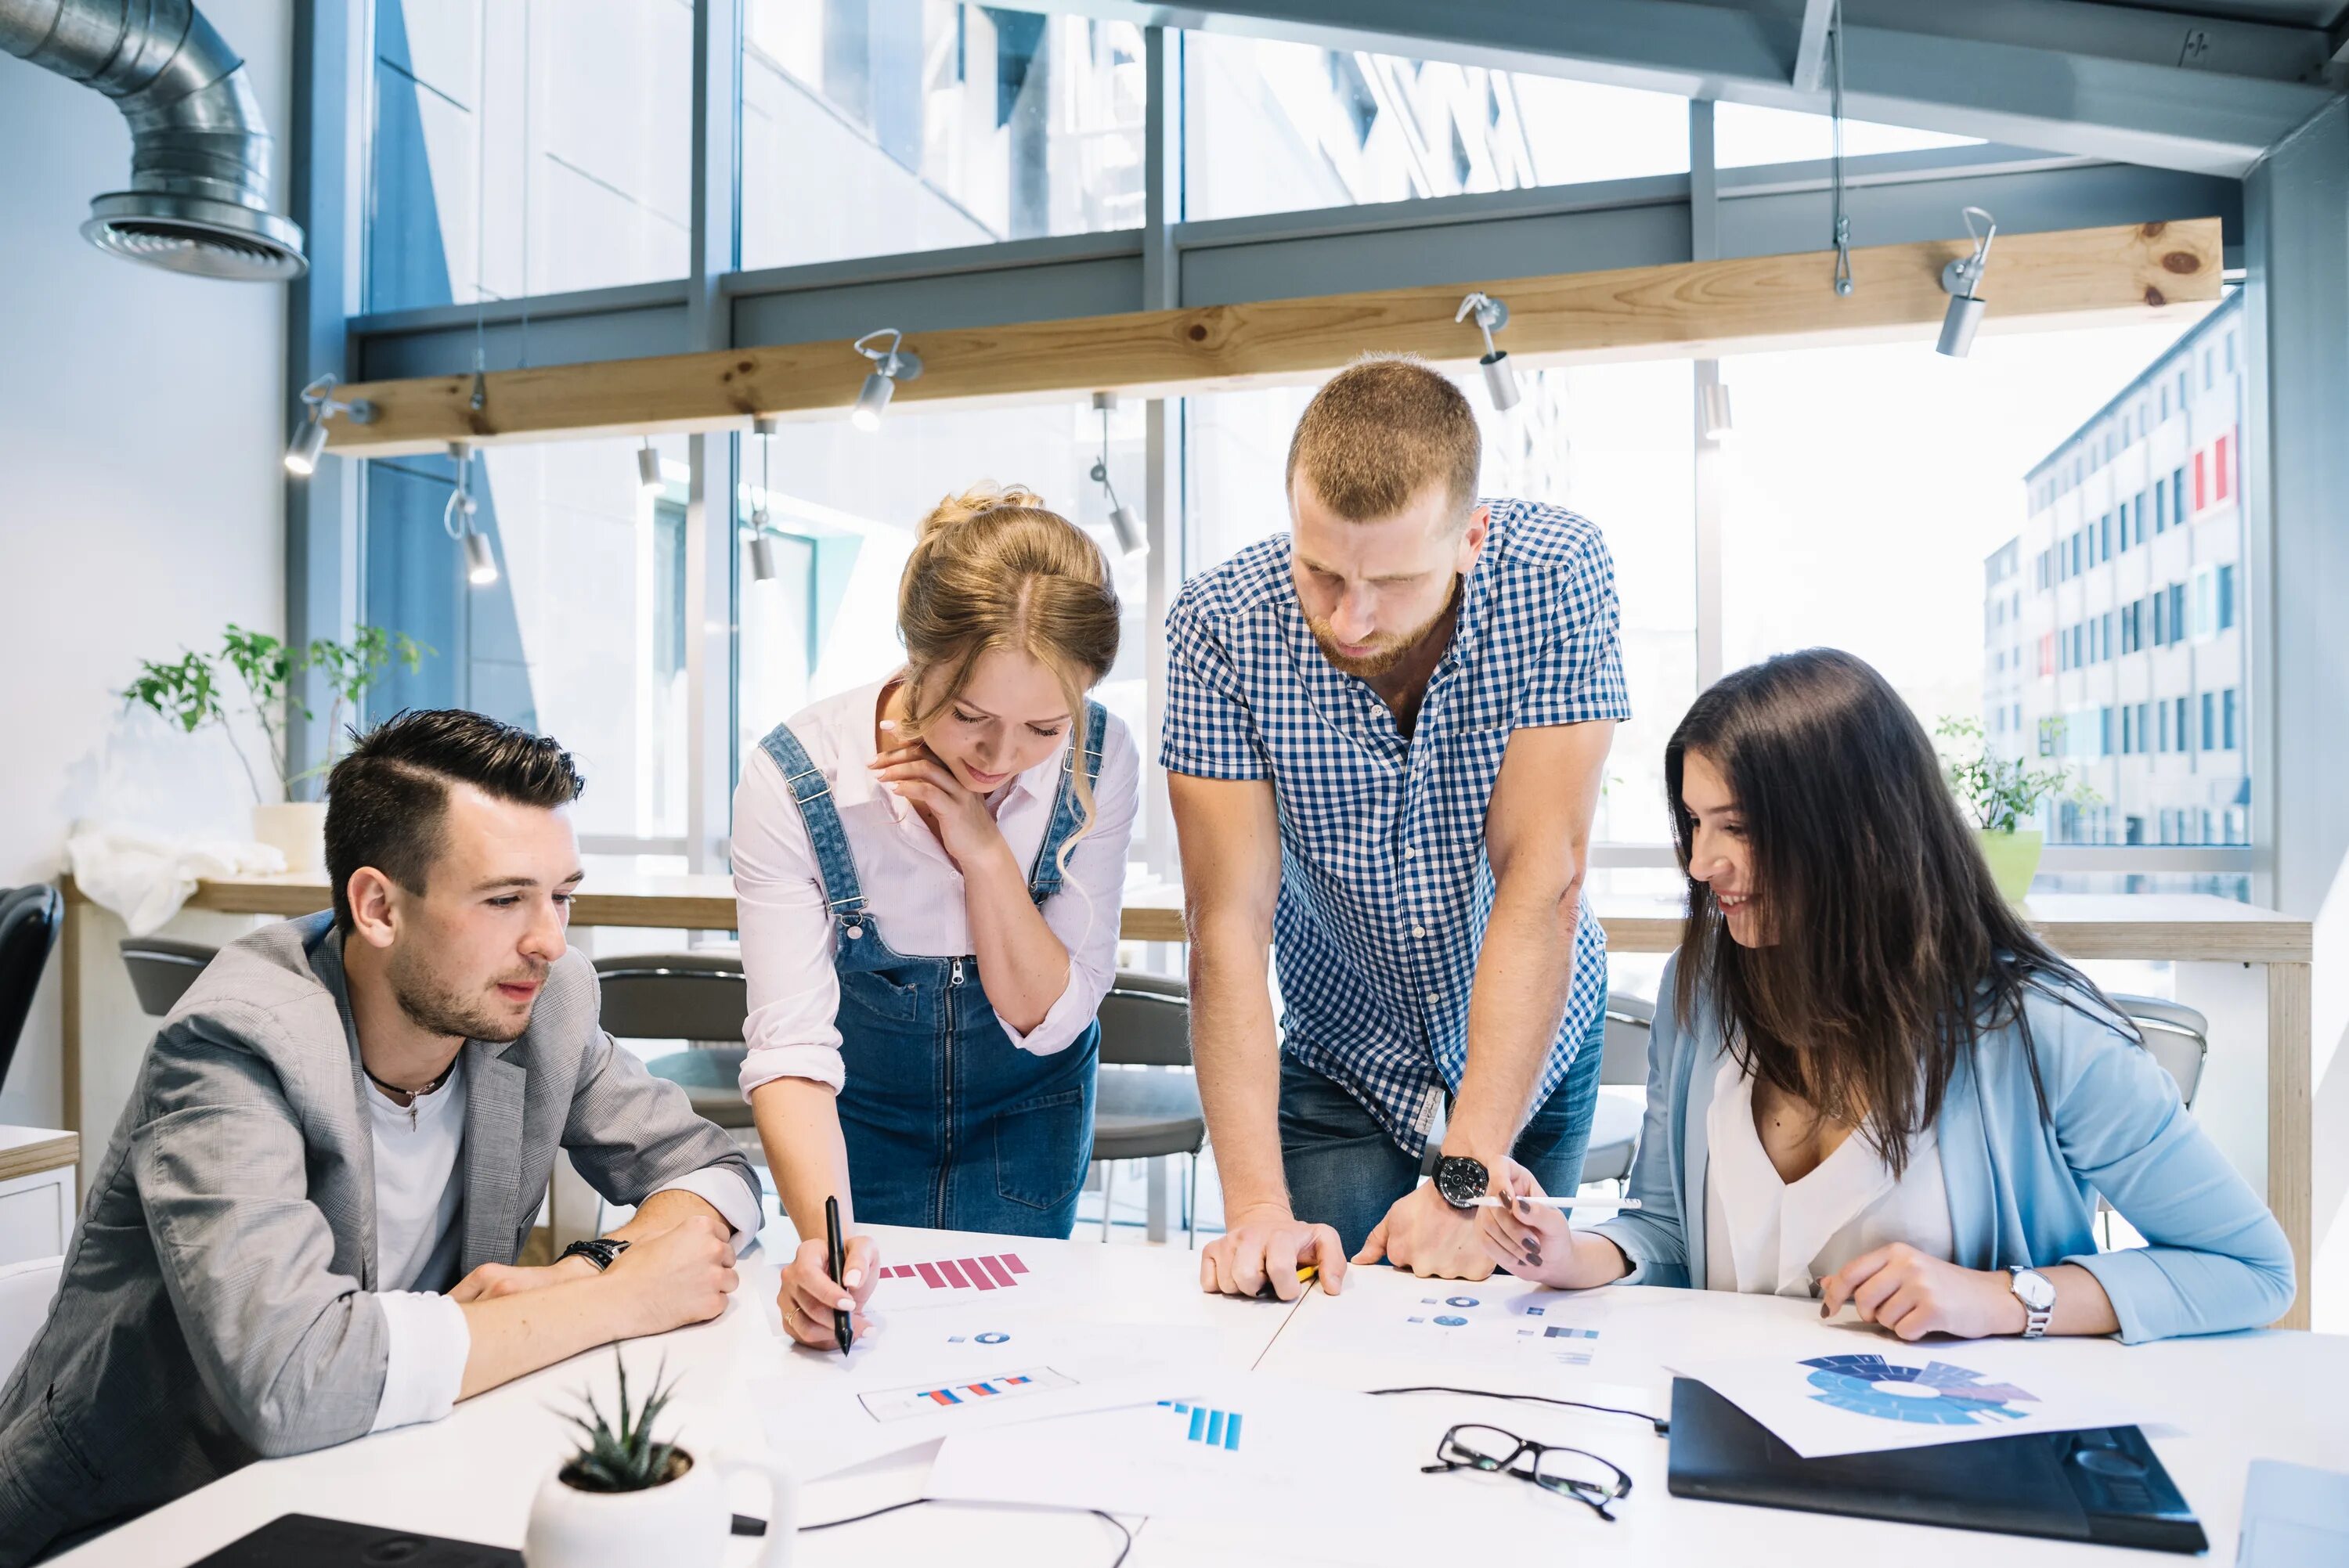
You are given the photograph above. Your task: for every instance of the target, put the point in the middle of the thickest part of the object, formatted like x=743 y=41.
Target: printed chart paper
x=1500 y=1323
x=1911 y=1396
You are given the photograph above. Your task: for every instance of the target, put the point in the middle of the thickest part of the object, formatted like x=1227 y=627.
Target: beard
x=433 y=1004
x=1387 y=652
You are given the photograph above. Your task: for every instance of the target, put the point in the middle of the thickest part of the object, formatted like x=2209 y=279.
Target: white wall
x=140 y=421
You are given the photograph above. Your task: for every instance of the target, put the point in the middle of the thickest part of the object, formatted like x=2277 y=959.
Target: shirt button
x=1412 y=854
x=1418 y=931
x=1433 y=998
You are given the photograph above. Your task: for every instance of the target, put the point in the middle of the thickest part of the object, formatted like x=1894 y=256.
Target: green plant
x=2000 y=792
x=623 y=1456
x=188 y=691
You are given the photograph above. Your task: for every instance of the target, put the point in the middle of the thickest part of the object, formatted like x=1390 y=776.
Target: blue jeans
x=1344 y=1170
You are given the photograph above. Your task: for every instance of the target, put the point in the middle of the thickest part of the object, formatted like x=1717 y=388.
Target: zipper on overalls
x=954 y=1024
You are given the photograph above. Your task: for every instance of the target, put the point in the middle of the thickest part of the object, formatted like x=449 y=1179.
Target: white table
x=2275 y=1395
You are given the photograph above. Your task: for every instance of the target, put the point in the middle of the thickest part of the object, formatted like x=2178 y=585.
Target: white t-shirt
x=1765 y=1236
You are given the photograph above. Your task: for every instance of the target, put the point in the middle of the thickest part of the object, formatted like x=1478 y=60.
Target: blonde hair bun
x=954 y=510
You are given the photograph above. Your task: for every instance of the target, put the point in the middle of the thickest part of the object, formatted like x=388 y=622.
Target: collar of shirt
x=851 y=724
x=1344 y=691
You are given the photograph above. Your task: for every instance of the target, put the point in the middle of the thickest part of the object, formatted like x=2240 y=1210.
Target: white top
x=912 y=888
x=420 y=1196
x=1765 y=1236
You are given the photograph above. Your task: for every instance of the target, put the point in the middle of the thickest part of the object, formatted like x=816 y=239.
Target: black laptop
x=2103 y=1486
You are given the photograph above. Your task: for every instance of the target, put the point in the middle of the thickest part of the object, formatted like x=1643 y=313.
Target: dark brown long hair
x=1892 y=953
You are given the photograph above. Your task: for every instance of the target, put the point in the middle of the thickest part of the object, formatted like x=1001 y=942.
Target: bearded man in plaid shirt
x=1385 y=732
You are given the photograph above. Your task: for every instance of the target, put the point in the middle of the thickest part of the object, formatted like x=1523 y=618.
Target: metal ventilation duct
x=198 y=195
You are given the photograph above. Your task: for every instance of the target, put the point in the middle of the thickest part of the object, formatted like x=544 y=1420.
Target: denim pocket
x=1042 y=1148
x=868 y=991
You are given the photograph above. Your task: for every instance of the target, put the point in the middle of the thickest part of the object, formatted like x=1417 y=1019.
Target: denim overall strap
x=1044 y=879
x=822 y=818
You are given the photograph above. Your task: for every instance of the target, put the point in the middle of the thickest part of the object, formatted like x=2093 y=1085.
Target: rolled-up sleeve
x=1084 y=913
x=427 y=1341
x=786 y=928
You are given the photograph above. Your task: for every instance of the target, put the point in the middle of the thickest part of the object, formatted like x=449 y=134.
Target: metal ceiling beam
x=1811 y=51
x=2202 y=95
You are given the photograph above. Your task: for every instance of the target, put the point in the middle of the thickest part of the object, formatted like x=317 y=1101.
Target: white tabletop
x=2225 y=1402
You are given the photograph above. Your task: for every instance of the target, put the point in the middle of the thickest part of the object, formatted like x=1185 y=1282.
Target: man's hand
x=1429 y=1237
x=1913 y=1294
x=1269 y=1243
x=676 y=1276
x=809 y=1294
x=492 y=1281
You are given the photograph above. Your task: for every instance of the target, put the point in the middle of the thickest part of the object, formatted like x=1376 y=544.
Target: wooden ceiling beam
x=1690 y=310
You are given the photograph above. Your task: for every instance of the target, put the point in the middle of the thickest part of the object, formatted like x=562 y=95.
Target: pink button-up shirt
x=912 y=888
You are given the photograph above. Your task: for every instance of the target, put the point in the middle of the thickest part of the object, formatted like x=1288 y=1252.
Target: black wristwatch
x=600 y=1251
x=1461 y=1181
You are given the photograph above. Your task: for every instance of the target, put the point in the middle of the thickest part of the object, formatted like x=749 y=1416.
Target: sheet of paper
x=1501 y=1323
x=1237 y=1448
x=928 y=1374
x=1909 y=1396
x=2294 y=1516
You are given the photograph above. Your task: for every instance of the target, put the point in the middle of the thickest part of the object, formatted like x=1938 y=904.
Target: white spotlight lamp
x=319 y=404
x=1962 y=280
x=1132 y=538
x=457 y=519
x=1490 y=315
x=765 y=566
x=1712 y=406
x=890 y=366
x=648 y=474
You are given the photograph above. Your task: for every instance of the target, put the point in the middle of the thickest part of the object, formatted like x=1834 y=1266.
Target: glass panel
x=1612 y=441
x=847 y=504
x=527 y=147
x=875 y=127
x=1277 y=127
x=1745 y=134
x=1972 y=528
x=581 y=637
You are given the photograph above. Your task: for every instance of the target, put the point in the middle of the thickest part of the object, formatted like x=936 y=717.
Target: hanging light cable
x=764 y=568
x=1133 y=539
x=1842 y=219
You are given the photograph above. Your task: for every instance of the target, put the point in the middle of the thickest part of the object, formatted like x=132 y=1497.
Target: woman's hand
x=1531 y=1241
x=966 y=829
x=1914 y=1295
x=809 y=1295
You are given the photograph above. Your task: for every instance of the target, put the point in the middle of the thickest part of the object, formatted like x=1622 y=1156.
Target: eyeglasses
x=1569 y=1472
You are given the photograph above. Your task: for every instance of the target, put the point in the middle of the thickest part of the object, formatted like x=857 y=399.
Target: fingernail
x=843 y=1304
x=888 y=724
x=855 y=1277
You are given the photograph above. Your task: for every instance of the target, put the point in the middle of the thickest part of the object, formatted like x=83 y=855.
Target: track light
x=1500 y=381
x=1962 y=280
x=1713 y=409
x=457 y=519
x=764 y=567
x=890 y=366
x=648 y=474
x=319 y=404
x=1133 y=539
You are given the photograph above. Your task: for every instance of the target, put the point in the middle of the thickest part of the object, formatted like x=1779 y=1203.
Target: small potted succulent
x=190 y=691
x=2001 y=793
x=625 y=1497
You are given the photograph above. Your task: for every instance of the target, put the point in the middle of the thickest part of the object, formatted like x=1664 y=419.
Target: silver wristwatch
x=2037 y=1291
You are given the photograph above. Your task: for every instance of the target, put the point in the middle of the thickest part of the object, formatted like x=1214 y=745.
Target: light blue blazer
x=2022 y=1190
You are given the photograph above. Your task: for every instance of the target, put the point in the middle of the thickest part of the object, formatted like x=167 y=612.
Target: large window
x=523 y=147
x=1273 y=126
x=1747 y=134
x=877 y=127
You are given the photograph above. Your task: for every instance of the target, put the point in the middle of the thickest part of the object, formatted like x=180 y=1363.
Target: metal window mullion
x=709 y=582
x=1705 y=457
x=1163 y=518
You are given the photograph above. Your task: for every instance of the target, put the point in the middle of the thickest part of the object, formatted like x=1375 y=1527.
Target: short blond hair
x=995 y=568
x=1380 y=432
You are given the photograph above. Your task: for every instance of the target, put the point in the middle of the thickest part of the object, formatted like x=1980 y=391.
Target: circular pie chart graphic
x=1937 y=1394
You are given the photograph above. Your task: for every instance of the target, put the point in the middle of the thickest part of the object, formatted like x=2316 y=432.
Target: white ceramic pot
x=683 y=1524
x=296 y=829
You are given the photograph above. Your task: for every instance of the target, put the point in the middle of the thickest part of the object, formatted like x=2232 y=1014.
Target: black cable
x=1663 y=1427
x=745 y=1525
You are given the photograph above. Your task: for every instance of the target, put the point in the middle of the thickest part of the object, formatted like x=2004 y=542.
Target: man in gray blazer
x=305 y=1225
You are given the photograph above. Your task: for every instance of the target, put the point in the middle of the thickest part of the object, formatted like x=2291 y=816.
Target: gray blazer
x=216 y=1305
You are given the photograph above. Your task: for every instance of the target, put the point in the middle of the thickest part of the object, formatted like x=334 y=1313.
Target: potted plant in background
x=2001 y=793
x=189 y=691
x=625 y=1497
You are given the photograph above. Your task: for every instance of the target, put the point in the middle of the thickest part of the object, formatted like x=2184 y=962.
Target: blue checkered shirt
x=1384 y=883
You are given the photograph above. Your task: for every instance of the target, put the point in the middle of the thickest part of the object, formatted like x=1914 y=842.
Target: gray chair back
x=1145 y=1021
x=2178 y=1035
x=674 y=996
x=1629 y=1020
x=162 y=970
